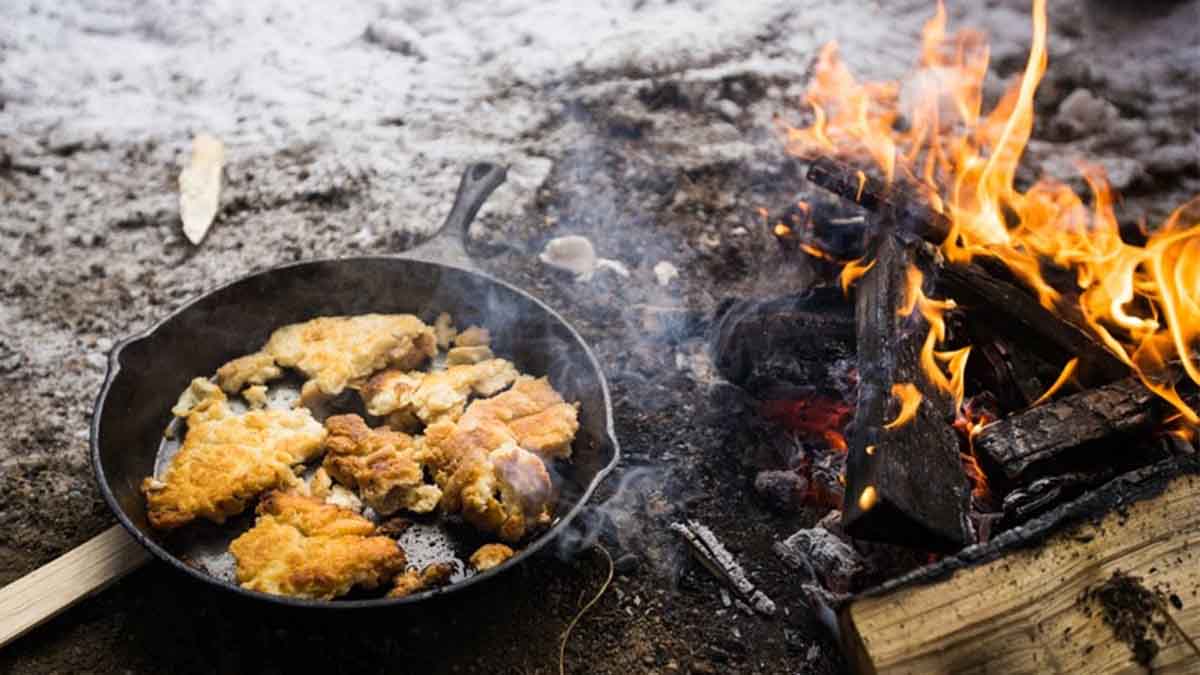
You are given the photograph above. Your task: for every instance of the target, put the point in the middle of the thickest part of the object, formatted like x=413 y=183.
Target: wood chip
x=200 y=187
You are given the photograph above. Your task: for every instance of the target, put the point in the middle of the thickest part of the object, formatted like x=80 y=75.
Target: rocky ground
x=645 y=126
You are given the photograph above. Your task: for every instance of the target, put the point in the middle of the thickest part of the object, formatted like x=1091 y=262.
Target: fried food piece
x=443 y=327
x=473 y=337
x=257 y=368
x=429 y=396
x=460 y=356
x=490 y=555
x=385 y=466
x=256 y=396
x=304 y=548
x=508 y=493
x=227 y=459
x=334 y=351
x=412 y=581
x=531 y=414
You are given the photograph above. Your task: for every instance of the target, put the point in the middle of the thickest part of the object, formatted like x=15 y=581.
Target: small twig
x=562 y=647
x=713 y=555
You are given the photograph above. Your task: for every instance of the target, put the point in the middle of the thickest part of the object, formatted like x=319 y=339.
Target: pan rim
x=534 y=547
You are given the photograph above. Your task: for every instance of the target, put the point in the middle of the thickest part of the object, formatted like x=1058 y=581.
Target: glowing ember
x=868 y=498
x=814 y=417
x=910 y=399
x=1141 y=301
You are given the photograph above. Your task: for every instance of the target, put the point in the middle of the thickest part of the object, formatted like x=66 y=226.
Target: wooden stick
x=1022 y=613
x=83 y=571
x=1048 y=431
x=910 y=488
x=720 y=562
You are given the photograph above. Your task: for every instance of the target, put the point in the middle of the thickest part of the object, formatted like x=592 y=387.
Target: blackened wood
x=1048 y=431
x=785 y=347
x=1009 y=310
x=895 y=204
x=1056 y=337
x=914 y=469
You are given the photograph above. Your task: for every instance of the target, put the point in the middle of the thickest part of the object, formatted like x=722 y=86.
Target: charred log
x=904 y=484
x=777 y=349
x=1048 y=432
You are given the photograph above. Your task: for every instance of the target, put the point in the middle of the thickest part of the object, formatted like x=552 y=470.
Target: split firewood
x=200 y=187
x=1013 y=311
x=715 y=558
x=1051 y=430
x=1036 y=610
x=905 y=483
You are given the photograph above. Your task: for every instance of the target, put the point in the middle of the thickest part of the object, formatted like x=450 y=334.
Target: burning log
x=904 y=481
x=1039 y=598
x=1049 y=431
x=1010 y=310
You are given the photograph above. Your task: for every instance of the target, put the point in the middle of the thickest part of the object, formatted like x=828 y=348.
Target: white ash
x=819 y=552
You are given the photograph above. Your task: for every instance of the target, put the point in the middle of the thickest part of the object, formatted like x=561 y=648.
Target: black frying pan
x=147 y=372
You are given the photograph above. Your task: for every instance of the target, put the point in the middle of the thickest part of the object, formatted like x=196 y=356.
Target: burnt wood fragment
x=785 y=347
x=1014 y=312
x=896 y=205
x=910 y=488
x=1048 y=431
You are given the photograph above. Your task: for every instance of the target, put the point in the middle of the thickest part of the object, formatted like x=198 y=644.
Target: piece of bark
x=1031 y=598
x=200 y=187
x=1048 y=431
x=920 y=491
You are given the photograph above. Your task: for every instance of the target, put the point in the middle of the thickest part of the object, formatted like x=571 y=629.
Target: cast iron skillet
x=147 y=372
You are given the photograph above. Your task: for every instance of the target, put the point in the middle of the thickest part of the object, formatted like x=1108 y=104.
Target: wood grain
x=87 y=569
x=1021 y=613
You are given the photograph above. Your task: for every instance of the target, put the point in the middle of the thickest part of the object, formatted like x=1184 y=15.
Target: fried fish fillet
x=507 y=493
x=531 y=414
x=412 y=581
x=334 y=351
x=430 y=396
x=228 y=459
x=385 y=466
x=302 y=547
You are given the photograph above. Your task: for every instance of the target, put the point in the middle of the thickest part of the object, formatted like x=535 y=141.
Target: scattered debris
x=665 y=272
x=720 y=563
x=200 y=187
x=576 y=254
x=1129 y=608
x=395 y=36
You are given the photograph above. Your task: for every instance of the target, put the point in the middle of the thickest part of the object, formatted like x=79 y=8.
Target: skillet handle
x=83 y=571
x=449 y=244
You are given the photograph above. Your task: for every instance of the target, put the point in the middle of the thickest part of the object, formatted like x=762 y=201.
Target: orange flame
x=1141 y=301
x=953 y=379
x=852 y=272
x=1065 y=376
x=910 y=400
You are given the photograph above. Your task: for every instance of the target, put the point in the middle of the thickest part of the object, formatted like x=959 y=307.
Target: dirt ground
x=650 y=132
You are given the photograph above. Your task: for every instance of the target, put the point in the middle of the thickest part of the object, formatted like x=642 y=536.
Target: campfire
x=1006 y=350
